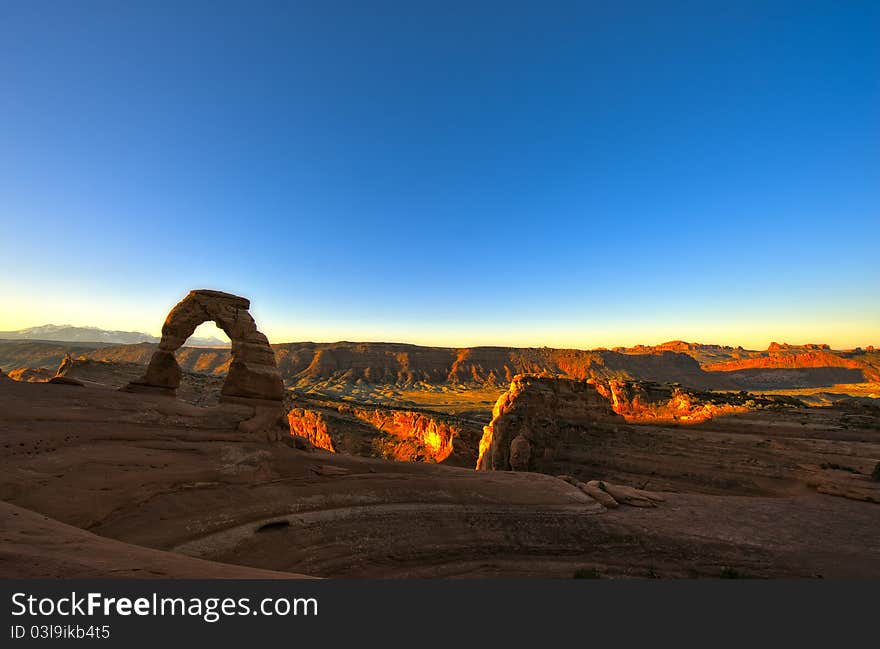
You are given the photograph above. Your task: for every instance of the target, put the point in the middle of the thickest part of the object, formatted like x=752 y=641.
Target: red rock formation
x=432 y=434
x=776 y=347
x=537 y=418
x=790 y=357
x=404 y=435
x=305 y=364
x=198 y=389
x=253 y=377
x=328 y=364
x=541 y=422
x=31 y=374
x=643 y=402
x=311 y=425
x=253 y=373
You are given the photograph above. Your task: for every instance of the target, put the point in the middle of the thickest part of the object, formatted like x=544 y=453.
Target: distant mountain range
x=71 y=334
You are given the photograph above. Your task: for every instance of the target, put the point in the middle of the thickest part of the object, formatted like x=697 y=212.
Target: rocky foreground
x=145 y=474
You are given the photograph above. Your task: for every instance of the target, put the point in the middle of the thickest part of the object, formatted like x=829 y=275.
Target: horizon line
x=437 y=346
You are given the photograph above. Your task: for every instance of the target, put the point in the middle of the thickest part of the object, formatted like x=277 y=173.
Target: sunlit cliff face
x=395 y=434
x=410 y=435
x=433 y=442
x=641 y=404
x=312 y=426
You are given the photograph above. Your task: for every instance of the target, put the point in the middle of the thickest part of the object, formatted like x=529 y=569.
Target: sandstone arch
x=253 y=373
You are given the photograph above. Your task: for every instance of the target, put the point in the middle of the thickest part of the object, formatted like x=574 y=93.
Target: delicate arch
x=253 y=373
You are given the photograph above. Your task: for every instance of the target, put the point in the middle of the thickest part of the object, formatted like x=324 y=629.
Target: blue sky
x=548 y=173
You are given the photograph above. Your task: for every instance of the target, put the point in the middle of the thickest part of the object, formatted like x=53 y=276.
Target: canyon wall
x=798 y=358
x=306 y=364
x=692 y=365
x=400 y=364
x=391 y=433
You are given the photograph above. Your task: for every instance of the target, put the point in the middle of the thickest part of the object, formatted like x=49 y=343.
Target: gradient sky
x=552 y=173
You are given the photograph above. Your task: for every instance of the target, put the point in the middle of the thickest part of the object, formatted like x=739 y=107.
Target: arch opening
x=208 y=336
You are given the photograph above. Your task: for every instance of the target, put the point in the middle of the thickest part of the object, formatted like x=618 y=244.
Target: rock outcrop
x=627 y=495
x=611 y=495
x=65 y=380
x=307 y=364
x=648 y=402
x=195 y=388
x=312 y=425
x=253 y=377
x=390 y=433
x=253 y=373
x=31 y=374
x=537 y=418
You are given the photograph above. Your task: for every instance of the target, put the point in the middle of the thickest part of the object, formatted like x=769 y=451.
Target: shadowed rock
x=64 y=380
x=626 y=495
x=537 y=419
x=611 y=495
